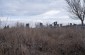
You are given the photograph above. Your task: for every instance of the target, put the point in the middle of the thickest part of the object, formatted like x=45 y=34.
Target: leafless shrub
x=42 y=41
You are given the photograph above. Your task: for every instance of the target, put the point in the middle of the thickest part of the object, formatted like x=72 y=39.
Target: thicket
x=42 y=41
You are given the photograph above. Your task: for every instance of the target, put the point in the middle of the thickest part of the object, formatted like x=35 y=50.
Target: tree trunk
x=82 y=22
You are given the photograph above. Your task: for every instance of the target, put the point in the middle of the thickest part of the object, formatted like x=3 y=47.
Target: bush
x=42 y=41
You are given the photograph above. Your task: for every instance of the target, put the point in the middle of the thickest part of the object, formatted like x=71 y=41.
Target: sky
x=28 y=7
x=31 y=11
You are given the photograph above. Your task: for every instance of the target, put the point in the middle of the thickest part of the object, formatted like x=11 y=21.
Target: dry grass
x=42 y=41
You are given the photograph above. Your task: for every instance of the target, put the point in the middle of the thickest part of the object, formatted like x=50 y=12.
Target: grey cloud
x=27 y=7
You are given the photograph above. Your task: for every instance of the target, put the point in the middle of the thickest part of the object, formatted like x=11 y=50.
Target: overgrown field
x=42 y=41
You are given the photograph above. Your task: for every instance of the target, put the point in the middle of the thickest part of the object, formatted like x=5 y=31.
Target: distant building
x=60 y=25
x=55 y=24
x=50 y=26
x=27 y=25
x=39 y=25
x=6 y=27
x=70 y=24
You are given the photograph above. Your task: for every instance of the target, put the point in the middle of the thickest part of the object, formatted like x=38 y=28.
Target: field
x=42 y=41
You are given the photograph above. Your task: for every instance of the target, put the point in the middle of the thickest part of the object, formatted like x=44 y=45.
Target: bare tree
x=77 y=8
x=19 y=25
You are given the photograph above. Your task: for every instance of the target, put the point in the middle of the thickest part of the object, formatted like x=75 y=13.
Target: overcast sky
x=34 y=10
x=28 y=7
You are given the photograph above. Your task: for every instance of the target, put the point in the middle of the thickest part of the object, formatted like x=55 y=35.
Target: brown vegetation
x=42 y=41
